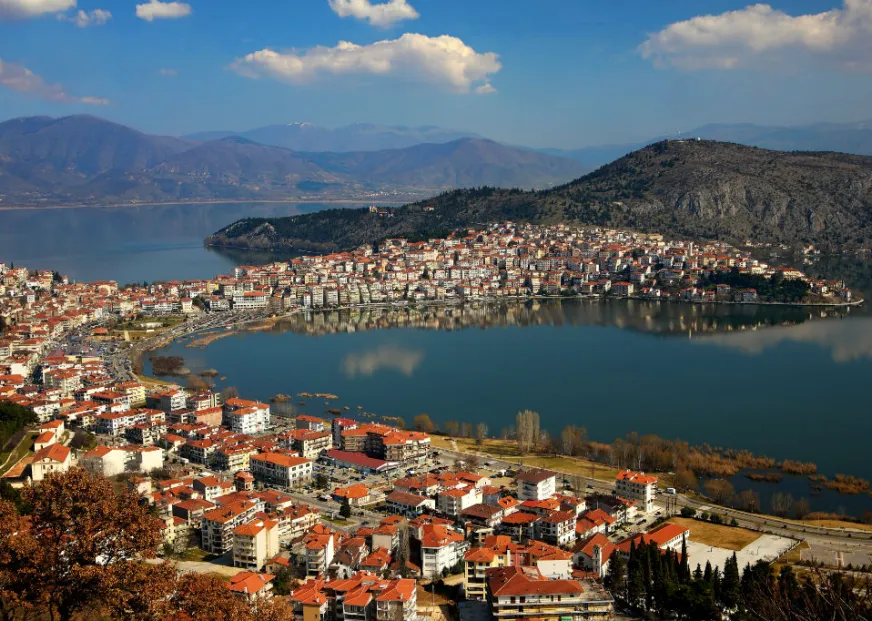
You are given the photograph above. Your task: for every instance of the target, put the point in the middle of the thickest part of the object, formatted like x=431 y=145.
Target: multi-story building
x=441 y=548
x=637 y=486
x=453 y=501
x=254 y=543
x=115 y=423
x=308 y=443
x=557 y=528
x=244 y=416
x=513 y=593
x=281 y=469
x=536 y=484
x=218 y=524
x=111 y=461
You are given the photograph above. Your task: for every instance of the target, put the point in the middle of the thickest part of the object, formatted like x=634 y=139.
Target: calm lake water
x=727 y=376
x=131 y=244
x=777 y=381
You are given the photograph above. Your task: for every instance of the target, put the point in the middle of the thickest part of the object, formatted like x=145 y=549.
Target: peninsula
x=678 y=188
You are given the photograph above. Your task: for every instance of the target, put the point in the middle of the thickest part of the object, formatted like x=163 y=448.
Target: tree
x=321 y=480
x=749 y=500
x=688 y=512
x=720 y=490
x=480 y=433
x=196 y=383
x=84 y=546
x=730 y=585
x=686 y=480
x=801 y=508
x=229 y=392
x=573 y=440
x=527 y=430
x=781 y=503
x=616 y=575
x=205 y=597
x=422 y=422
x=345 y=510
x=466 y=430
x=403 y=549
x=452 y=428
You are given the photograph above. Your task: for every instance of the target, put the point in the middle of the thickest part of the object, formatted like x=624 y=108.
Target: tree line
x=660 y=584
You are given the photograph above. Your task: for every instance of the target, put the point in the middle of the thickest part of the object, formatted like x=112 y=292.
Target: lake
x=731 y=376
x=777 y=381
x=132 y=243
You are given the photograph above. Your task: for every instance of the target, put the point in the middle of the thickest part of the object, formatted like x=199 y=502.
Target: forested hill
x=698 y=189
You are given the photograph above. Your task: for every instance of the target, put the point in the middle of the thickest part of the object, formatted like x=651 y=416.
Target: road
x=120 y=361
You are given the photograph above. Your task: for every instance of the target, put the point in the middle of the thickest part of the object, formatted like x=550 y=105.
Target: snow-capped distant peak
x=299 y=124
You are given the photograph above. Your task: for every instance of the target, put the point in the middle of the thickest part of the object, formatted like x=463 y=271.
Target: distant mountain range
x=357 y=137
x=681 y=188
x=86 y=160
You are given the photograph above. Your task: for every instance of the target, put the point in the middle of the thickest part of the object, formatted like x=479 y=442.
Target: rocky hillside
x=699 y=189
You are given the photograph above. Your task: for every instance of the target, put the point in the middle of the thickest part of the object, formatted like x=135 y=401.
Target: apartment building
x=218 y=524
x=308 y=443
x=281 y=469
x=244 y=416
x=637 y=486
x=254 y=543
x=408 y=505
x=441 y=549
x=453 y=502
x=557 y=528
x=536 y=484
x=111 y=461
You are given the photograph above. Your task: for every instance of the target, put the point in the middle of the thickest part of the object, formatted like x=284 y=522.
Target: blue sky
x=560 y=73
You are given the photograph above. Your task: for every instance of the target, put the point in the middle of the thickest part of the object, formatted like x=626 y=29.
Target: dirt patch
x=728 y=537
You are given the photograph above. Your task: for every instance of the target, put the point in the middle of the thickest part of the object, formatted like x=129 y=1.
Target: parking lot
x=764 y=548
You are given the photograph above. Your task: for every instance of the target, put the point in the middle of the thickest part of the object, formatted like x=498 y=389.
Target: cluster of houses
x=528 y=542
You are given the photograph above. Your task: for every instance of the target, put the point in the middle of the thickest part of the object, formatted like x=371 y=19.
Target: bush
x=716 y=519
x=688 y=512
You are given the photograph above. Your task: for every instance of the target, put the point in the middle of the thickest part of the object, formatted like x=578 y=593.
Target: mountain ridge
x=86 y=160
x=687 y=188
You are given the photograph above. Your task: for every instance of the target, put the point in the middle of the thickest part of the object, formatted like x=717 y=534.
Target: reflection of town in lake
x=652 y=317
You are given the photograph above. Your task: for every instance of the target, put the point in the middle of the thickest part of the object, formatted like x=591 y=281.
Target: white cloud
x=23 y=80
x=170 y=73
x=155 y=9
x=444 y=60
x=739 y=38
x=485 y=89
x=383 y=14
x=97 y=17
x=20 y=9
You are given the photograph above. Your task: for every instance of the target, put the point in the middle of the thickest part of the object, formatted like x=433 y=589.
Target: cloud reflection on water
x=848 y=340
x=383 y=357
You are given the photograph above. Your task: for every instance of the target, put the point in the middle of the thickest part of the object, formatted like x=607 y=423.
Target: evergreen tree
x=731 y=587
x=684 y=573
x=707 y=575
x=616 y=576
x=697 y=573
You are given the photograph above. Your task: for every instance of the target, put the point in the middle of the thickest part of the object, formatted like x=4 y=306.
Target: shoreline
x=336 y=201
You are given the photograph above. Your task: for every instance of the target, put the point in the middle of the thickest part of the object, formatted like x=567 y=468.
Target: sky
x=540 y=73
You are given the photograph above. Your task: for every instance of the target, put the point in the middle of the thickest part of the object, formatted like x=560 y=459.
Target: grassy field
x=508 y=451
x=837 y=524
x=718 y=535
x=7 y=460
